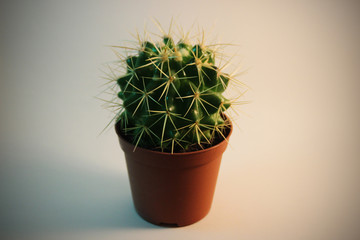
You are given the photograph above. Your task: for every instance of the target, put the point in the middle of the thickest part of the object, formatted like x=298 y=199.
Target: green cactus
x=172 y=97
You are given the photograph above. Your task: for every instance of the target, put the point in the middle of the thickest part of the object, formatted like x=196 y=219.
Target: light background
x=292 y=171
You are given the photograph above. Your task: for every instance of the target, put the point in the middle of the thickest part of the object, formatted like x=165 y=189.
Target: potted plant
x=172 y=127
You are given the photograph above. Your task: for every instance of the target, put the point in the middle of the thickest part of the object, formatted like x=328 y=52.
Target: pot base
x=170 y=224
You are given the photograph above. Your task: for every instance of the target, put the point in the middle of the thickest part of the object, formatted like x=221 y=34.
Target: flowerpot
x=172 y=189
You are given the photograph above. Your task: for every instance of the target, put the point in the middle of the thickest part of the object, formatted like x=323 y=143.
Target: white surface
x=293 y=170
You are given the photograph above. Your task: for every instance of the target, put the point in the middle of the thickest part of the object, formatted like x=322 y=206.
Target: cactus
x=172 y=97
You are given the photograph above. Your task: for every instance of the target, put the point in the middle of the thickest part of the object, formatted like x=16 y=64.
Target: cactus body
x=172 y=97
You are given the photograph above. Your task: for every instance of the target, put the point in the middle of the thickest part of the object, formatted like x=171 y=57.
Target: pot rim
x=141 y=149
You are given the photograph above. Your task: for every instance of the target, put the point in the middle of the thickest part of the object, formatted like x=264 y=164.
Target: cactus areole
x=172 y=97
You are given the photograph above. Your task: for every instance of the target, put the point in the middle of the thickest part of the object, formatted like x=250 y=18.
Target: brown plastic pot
x=172 y=189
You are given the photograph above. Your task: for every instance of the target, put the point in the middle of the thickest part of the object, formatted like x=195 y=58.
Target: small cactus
x=172 y=97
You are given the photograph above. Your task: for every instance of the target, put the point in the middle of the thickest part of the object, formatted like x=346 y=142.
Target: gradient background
x=292 y=171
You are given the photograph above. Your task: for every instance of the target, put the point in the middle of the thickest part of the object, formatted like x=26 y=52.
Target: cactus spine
x=172 y=97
